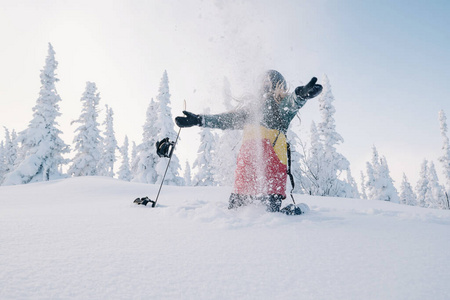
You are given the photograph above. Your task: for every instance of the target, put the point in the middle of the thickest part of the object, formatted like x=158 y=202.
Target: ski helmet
x=272 y=80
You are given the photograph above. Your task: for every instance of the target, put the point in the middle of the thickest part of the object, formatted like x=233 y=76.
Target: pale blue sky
x=387 y=62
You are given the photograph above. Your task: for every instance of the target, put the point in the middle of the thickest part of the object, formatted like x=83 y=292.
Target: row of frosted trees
x=36 y=154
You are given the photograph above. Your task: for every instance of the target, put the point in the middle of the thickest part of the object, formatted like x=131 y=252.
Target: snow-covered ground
x=82 y=238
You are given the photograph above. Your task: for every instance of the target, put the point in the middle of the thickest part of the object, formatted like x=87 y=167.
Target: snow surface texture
x=83 y=238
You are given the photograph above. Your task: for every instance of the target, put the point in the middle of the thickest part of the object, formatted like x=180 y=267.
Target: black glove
x=189 y=120
x=310 y=90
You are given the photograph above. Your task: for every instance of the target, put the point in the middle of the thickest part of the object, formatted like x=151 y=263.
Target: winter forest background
x=37 y=152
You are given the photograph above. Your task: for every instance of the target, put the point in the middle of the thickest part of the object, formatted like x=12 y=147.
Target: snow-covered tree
x=42 y=148
x=296 y=158
x=187 y=174
x=144 y=165
x=373 y=184
x=204 y=161
x=133 y=158
x=407 y=195
x=437 y=195
x=14 y=149
x=87 y=140
x=428 y=190
x=2 y=162
x=445 y=158
x=387 y=183
x=350 y=187
x=423 y=185
x=124 y=171
x=165 y=125
x=380 y=185
x=10 y=150
x=324 y=166
x=312 y=164
x=370 y=185
x=330 y=138
x=108 y=158
x=363 y=186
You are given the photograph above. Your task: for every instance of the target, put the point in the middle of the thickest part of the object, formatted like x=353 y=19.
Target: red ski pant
x=259 y=170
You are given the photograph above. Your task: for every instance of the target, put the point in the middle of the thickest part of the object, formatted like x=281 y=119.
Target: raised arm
x=302 y=93
x=229 y=120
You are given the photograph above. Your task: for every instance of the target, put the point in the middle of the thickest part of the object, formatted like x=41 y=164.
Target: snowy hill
x=82 y=238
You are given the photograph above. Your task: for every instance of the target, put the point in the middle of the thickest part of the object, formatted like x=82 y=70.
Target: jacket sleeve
x=229 y=120
x=289 y=108
x=293 y=102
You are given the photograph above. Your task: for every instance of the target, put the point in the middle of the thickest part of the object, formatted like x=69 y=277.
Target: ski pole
x=165 y=172
x=146 y=200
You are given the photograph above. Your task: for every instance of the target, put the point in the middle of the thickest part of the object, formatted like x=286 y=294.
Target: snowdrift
x=82 y=238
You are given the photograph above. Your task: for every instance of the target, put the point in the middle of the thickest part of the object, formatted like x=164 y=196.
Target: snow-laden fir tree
x=370 y=185
x=407 y=195
x=2 y=162
x=387 y=183
x=42 y=149
x=312 y=168
x=124 y=171
x=326 y=166
x=422 y=186
x=205 y=159
x=165 y=125
x=108 y=158
x=436 y=197
x=380 y=185
x=296 y=158
x=445 y=158
x=350 y=186
x=144 y=165
x=14 y=148
x=373 y=186
x=330 y=139
x=227 y=146
x=87 y=139
x=187 y=174
x=133 y=158
x=363 y=186
x=10 y=150
x=428 y=190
